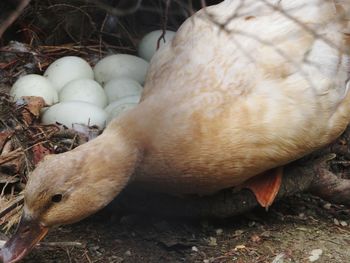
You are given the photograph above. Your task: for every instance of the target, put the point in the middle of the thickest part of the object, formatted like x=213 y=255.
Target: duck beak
x=29 y=232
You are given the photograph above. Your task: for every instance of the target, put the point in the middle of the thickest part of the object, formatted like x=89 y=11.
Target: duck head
x=68 y=187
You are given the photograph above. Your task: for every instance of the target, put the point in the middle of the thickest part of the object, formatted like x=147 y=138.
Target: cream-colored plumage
x=244 y=86
x=224 y=104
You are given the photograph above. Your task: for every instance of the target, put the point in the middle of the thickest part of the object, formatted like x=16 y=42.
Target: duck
x=244 y=88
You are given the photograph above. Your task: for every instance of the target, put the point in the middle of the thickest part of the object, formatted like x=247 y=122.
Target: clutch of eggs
x=77 y=93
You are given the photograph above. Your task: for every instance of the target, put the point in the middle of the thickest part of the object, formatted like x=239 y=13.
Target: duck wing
x=244 y=87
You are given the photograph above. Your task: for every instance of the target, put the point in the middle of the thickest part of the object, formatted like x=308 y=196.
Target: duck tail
x=343 y=13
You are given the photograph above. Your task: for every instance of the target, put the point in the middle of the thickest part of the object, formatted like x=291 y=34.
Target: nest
x=24 y=142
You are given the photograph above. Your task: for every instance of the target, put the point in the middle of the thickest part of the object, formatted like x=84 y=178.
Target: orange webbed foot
x=265 y=186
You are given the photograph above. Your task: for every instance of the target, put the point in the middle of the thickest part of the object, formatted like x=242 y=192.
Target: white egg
x=148 y=44
x=86 y=90
x=34 y=85
x=117 y=107
x=71 y=112
x=119 y=66
x=122 y=87
x=66 y=69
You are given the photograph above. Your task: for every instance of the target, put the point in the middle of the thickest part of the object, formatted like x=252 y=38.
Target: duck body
x=222 y=104
x=244 y=87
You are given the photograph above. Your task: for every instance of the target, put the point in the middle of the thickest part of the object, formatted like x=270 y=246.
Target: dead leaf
x=6 y=158
x=255 y=238
x=39 y=152
x=11 y=160
x=239 y=247
x=4 y=136
x=32 y=107
x=87 y=131
x=34 y=104
x=8 y=147
x=13 y=167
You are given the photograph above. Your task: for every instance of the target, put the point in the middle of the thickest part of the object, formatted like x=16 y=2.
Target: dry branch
x=17 y=202
x=113 y=10
x=13 y=16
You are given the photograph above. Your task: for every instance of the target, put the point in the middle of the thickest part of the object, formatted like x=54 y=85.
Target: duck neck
x=115 y=156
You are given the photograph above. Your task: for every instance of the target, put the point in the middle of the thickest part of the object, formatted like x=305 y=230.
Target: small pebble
x=239 y=247
x=302 y=216
x=266 y=234
x=219 y=231
x=195 y=249
x=2 y=243
x=212 y=241
x=336 y=222
x=279 y=258
x=315 y=255
x=327 y=206
x=239 y=232
x=251 y=223
x=127 y=253
x=343 y=223
x=116 y=259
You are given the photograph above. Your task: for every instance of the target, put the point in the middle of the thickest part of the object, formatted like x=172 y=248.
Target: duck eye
x=56 y=198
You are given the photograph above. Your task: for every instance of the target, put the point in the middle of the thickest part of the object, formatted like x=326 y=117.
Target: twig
x=11 y=156
x=62 y=244
x=113 y=10
x=53 y=244
x=87 y=257
x=13 y=16
x=19 y=201
x=164 y=24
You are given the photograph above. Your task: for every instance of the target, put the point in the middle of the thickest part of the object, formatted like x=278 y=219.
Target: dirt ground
x=289 y=232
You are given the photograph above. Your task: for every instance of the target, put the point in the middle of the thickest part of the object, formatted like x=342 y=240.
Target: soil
x=288 y=232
